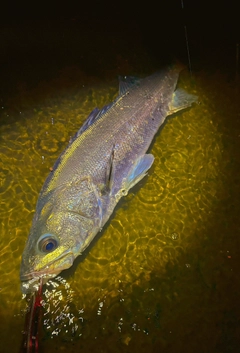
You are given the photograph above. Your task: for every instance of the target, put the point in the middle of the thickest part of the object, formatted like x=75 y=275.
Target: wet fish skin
x=106 y=158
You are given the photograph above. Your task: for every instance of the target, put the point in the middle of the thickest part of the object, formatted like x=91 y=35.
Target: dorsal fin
x=88 y=122
x=127 y=82
x=93 y=116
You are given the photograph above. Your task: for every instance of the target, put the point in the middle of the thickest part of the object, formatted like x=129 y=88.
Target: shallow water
x=163 y=274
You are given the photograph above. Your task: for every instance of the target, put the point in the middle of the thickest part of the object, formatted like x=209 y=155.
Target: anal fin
x=138 y=171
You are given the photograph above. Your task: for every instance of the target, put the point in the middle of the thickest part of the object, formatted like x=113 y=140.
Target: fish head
x=64 y=224
x=50 y=250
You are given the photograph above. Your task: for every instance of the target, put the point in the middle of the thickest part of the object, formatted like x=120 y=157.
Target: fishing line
x=187 y=44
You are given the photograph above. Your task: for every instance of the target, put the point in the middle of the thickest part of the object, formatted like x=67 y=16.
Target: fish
x=106 y=158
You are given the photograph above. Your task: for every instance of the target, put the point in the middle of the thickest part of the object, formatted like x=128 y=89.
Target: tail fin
x=181 y=100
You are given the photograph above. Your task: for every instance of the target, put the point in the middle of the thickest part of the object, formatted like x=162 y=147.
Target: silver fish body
x=106 y=158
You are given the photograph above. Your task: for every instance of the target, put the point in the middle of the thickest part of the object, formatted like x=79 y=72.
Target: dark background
x=102 y=38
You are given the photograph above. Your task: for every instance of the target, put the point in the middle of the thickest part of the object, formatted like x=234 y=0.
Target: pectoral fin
x=137 y=172
x=109 y=173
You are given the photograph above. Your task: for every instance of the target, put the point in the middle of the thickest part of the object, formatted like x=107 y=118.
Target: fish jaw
x=47 y=268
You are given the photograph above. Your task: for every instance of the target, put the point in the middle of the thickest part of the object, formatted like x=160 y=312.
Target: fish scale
x=105 y=159
x=127 y=118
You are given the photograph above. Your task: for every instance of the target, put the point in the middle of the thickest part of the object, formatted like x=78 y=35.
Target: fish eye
x=47 y=243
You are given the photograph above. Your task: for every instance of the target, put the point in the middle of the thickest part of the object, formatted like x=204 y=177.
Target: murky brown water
x=163 y=275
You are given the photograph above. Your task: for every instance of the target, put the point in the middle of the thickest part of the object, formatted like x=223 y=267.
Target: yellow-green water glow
x=129 y=289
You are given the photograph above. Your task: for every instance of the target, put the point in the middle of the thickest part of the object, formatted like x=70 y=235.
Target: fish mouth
x=35 y=275
x=52 y=269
